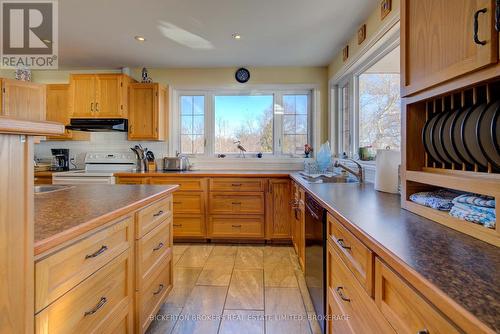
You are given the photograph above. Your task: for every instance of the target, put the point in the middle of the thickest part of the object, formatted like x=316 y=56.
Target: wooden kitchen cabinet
x=58 y=110
x=437 y=41
x=148 y=111
x=297 y=219
x=278 y=209
x=99 y=95
x=22 y=100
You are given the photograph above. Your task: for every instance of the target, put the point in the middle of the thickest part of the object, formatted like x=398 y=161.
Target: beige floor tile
x=178 y=296
x=220 y=260
x=203 y=310
x=279 y=276
x=218 y=275
x=175 y=258
x=186 y=276
x=249 y=257
x=303 y=291
x=179 y=248
x=277 y=257
x=195 y=256
x=242 y=322
x=285 y=311
x=165 y=320
x=246 y=291
x=225 y=250
x=313 y=323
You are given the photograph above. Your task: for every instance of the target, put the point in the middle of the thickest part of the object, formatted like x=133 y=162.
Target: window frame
x=209 y=128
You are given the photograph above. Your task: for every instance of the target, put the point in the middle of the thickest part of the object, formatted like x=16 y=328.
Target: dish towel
x=439 y=199
x=474 y=199
x=474 y=214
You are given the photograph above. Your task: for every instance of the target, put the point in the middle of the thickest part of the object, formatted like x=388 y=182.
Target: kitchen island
x=105 y=252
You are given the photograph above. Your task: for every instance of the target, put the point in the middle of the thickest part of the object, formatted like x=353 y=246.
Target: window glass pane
x=244 y=118
x=192 y=124
x=295 y=123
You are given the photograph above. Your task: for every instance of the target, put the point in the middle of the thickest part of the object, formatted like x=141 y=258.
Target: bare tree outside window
x=379 y=110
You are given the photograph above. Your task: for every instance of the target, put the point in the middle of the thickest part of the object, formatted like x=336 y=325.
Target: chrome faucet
x=359 y=174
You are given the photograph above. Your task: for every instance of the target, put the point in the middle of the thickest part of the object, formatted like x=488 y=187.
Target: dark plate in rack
x=456 y=138
x=437 y=134
x=427 y=137
x=487 y=132
x=470 y=137
x=447 y=133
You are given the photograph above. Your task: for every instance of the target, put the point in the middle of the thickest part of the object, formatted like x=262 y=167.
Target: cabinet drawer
x=234 y=203
x=60 y=272
x=189 y=202
x=185 y=183
x=152 y=215
x=351 y=299
x=355 y=254
x=236 y=184
x=406 y=309
x=234 y=227
x=186 y=226
x=97 y=305
x=152 y=249
x=152 y=295
x=132 y=180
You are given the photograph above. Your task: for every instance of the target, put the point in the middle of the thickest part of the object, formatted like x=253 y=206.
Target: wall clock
x=242 y=75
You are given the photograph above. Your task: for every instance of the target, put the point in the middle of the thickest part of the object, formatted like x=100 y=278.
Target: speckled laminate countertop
x=65 y=214
x=464 y=268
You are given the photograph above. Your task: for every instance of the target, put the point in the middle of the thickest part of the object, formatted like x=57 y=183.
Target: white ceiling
x=100 y=33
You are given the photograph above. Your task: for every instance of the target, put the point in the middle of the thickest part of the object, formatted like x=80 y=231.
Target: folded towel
x=439 y=199
x=474 y=208
x=483 y=218
x=475 y=199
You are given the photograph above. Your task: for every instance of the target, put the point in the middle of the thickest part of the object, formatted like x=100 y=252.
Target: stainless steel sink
x=50 y=188
x=329 y=179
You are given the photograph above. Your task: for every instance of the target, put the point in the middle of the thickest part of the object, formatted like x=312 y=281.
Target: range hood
x=98 y=124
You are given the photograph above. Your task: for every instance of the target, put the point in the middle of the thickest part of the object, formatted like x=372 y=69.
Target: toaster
x=179 y=163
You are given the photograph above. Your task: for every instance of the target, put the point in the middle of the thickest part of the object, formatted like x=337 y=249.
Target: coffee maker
x=60 y=159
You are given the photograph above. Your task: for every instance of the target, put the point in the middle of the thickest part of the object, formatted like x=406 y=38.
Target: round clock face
x=242 y=75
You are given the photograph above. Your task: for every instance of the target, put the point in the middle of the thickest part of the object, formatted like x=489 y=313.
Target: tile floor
x=236 y=289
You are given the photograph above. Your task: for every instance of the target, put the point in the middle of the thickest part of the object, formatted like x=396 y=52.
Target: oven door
x=83 y=180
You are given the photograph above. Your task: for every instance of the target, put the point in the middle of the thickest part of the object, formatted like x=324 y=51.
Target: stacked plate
x=465 y=135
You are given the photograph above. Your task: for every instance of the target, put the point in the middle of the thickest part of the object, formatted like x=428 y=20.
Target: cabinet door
x=23 y=100
x=108 y=102
x=58 y=107
x=437 y=42
x=83 y=94
x=143 y=118
x=280 y=193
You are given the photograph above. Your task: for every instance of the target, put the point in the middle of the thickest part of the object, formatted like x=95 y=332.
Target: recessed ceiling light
x=140 y=38
x=236 y=36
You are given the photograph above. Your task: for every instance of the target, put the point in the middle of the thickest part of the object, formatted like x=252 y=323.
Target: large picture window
x=271 y=122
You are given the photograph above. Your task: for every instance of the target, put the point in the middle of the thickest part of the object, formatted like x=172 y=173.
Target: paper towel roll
x=386 y=174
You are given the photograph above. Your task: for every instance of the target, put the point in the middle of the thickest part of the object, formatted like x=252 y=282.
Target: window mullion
x=278 y=124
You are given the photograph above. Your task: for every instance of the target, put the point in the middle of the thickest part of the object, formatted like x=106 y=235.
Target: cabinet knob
x=101 y=303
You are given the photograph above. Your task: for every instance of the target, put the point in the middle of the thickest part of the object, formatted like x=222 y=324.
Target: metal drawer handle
x=342 y=244
x=177 y=225
x=97 y=253
x=236 y=184
x=340 y=292
x=236 y=225
x=177 y=202
x=236 y=203
x=423 y=331
x=91 y=106
x=160 y=288
x=159 y=213
x=96 y=106
x=160 y=245
x=101 y=303
x=476 y=26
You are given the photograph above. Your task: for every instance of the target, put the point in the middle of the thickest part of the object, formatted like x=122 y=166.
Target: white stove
x=99 y=169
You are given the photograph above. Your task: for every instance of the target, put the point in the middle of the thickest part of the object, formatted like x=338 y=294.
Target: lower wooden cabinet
x=236 y=226
x=99 y=304
x=278 y=209
x=189 y=226
x=353 y=310
x=406 y=310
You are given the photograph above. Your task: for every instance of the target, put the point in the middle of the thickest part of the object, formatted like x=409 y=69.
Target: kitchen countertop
x=205 y=173
x=63 y=215
x=466 y=269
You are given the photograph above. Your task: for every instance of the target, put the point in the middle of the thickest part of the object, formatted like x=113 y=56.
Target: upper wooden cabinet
x=99 y=95
x=438 y=44
x=148 y=111
x=58 y=110
x=22 y=100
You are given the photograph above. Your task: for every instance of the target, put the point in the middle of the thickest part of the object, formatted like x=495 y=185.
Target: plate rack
x=423 y=173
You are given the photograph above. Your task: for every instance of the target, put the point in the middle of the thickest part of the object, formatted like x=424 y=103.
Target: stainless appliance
x=98 y=124
x=315 y=273
x=60 y=159
x=177 y=163
x=99 y=169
